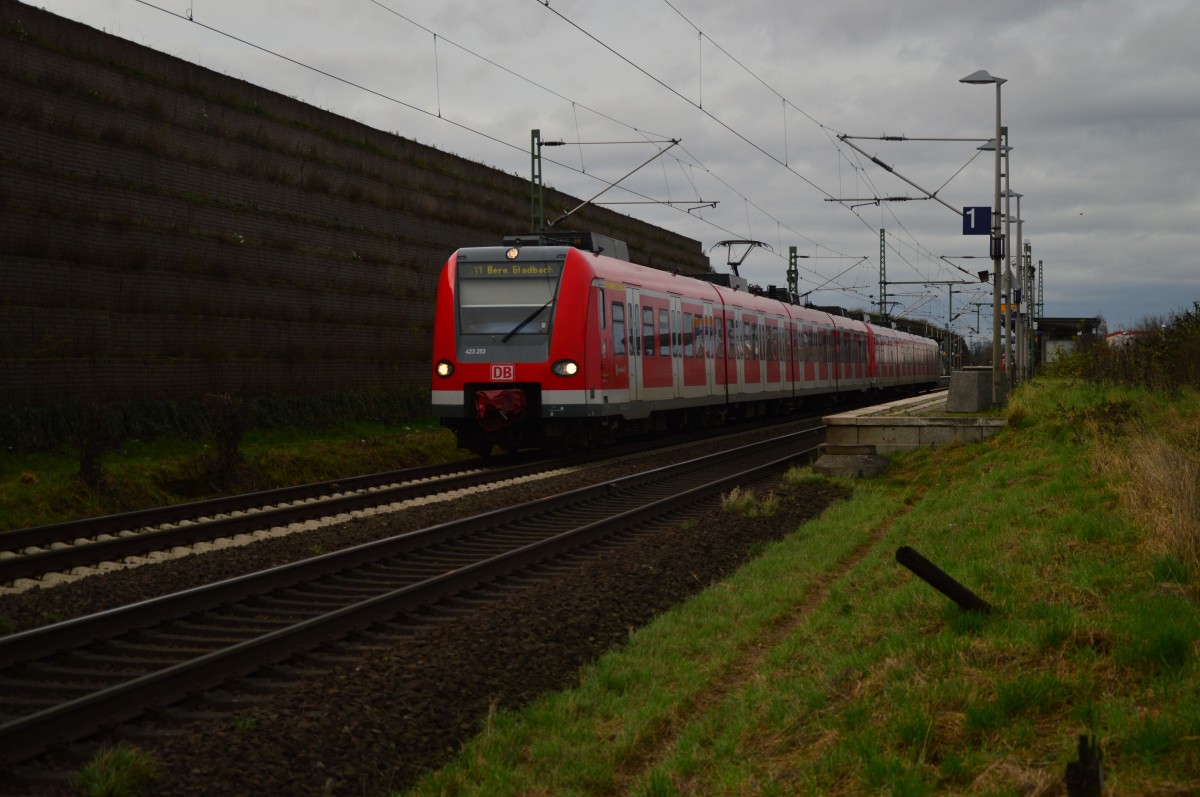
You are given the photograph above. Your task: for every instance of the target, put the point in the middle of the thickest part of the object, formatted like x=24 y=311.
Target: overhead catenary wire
x=440 y=114
x=540 y=86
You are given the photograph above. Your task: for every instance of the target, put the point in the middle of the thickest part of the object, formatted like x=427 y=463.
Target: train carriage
x=547 y=341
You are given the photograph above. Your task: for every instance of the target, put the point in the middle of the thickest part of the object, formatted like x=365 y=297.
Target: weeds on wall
x=100 y=427
x=226 y=418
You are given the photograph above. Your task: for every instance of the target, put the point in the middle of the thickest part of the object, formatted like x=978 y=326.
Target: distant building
x=1058 y=336
x=1123 y=338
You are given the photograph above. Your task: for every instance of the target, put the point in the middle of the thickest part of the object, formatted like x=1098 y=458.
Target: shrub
x=121 y=771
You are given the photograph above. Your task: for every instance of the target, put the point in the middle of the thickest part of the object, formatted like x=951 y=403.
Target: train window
x=689 y=347
x=664 y=333
x=648 y=331
x=512 y=306
x=719 y=329
x=618 y=328
x=603 y=320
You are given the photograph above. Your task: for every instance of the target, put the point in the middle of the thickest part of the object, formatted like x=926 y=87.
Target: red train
x=548 y=341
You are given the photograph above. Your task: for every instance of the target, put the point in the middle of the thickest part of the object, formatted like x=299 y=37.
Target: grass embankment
x=824 y=667
x=46 y=488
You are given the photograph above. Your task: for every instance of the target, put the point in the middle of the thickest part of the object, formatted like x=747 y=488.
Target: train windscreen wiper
x=528 y=318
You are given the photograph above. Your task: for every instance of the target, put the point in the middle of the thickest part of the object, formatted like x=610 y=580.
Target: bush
x=1160 y=354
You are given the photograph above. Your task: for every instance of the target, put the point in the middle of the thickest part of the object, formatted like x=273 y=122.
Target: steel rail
x=28 y=735
x=117 y=548
x=359 y=492
x=15 y=539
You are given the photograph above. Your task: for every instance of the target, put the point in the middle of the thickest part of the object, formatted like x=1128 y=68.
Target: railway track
x=65 y=551
x=40 y=550
x=64 y=681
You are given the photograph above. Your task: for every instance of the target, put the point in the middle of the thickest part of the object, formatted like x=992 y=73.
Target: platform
x=858 y=441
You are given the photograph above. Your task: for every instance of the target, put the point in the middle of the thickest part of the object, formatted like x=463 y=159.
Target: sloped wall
x=167 y=231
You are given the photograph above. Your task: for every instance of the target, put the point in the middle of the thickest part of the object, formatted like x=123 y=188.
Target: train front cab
x=496 y=368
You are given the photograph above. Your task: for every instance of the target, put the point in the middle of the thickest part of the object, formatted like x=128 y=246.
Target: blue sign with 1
x=977 y=221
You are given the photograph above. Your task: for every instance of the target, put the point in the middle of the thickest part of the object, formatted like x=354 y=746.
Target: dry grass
x=1156 y=476
x=748 y=504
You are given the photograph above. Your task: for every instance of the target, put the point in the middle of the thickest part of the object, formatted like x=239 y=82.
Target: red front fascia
x=574 y=323
x=575 y=334
x=444 y=325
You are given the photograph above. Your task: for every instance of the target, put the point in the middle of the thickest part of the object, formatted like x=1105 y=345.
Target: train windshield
x=507 y=299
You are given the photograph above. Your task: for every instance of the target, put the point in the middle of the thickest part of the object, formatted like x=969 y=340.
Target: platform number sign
x=977 y=221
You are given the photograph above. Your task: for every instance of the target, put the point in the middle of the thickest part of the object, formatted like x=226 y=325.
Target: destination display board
x=509 y=270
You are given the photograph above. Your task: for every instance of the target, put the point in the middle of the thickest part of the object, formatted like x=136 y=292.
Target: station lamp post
x=1020 y=294
x=997 y=243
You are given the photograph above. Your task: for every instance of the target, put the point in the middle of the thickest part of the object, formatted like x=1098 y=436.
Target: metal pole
x=1021 y=326
x=1039 y=311
x=883 y=283
x=1030 y=304
x=1010 y=366
x=997 y=255
x=949 y=320
x=537 y=206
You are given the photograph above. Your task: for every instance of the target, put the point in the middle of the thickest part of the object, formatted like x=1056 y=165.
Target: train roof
x=715 y=288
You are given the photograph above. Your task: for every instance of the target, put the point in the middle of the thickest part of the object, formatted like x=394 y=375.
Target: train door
x=791 y=373
x=676 y=336
x=733 y=344
x=723 y=355
x=777 y=370
x=633 y=312
x=839 y=357
x=611 y=328
x=708 y=328
x=809 y=355
x=752 y=370
x=872 y=372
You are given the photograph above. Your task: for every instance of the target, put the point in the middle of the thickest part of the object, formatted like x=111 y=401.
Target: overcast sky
x=1102 y=102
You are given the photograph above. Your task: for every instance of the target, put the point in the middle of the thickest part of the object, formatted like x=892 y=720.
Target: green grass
x=121 y=771
x=823 y=667
x=45 y=488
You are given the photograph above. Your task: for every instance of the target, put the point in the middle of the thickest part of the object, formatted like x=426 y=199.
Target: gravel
x=376 y=723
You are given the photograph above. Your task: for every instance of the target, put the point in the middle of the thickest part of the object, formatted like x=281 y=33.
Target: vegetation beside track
x=824 y=667
x=38 y=488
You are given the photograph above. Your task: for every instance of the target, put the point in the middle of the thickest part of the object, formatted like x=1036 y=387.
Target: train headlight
x=565 y=368
x=444 y=368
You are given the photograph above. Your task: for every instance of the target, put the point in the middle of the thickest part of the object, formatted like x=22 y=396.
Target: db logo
x=504 y=373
